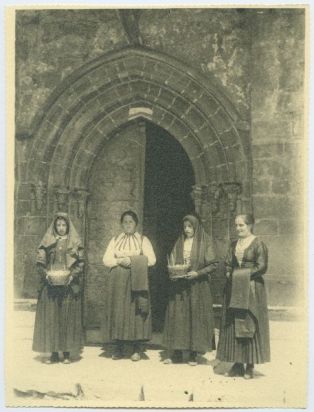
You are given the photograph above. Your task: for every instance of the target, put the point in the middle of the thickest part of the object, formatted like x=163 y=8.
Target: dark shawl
x=139 y=282
x=243 y=303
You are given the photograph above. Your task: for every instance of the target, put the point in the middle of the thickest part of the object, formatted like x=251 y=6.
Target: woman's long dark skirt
x=245 y=350
x=58 y=322
x=122 y=320
x=189 y=321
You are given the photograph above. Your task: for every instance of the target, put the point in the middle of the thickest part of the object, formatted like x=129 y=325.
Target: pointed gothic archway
x=88 y=108
x=91 y=104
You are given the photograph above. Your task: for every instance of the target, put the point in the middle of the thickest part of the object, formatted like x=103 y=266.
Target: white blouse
x=242 y=244
x=126 y=245
x=187 y=247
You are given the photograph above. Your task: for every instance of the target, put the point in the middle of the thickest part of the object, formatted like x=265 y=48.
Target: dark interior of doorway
x=169 y=178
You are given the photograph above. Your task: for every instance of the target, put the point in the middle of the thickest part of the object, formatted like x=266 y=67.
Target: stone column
x=232 y=191
x=38 y=196
x=215 y=192
x=202 y=207
x=79 y=199
x=61 y=200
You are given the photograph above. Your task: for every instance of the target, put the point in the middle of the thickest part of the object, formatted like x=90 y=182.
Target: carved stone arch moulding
x=90 y=105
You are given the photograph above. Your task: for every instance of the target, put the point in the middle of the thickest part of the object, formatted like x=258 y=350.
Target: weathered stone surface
x=267 y=150
x=266 y=227
x=281 y=186
x=280 y=207
x=271 y=168
x=211 y=47
x=261 y=186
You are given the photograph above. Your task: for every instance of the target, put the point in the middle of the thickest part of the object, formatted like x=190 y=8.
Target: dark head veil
x=202 y=253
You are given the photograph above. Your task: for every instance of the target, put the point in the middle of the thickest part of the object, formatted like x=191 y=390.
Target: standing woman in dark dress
x=189 y=320
x=58 y=322
x=127 y=316
x=244 y=332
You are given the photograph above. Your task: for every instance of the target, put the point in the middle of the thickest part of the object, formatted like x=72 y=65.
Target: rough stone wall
x=52 y=44
x=277 y=145
x=255 y=56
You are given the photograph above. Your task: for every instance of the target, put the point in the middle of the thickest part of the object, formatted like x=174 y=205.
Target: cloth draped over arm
x=243 y=303
x=139 y=282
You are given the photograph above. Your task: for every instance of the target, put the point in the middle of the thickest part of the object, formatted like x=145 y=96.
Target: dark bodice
x=255 y=257
x=55 y=258
x=57 y=255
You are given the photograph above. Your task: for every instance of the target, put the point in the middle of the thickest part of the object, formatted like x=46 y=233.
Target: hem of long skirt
x=116 y=340
x=188 y=349
x=238 y=360
x=59 y=349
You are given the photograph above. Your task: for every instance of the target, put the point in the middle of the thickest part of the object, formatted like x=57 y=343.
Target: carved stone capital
x=200 y=197
x=62 y=199
x=38 y=195
x=232 y=190
x=81 y=196
x=215 y=193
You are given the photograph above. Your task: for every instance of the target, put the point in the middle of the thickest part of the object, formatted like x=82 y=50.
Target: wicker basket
x=59 y=277
x=178 y=271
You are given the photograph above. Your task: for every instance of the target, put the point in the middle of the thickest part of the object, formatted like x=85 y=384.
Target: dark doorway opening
x=169 y=178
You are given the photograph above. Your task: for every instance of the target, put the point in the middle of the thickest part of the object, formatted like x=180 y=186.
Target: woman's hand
x=125 y=262
x=192 y=274
x=228 y=274
x=69 y=280
x=48 y=279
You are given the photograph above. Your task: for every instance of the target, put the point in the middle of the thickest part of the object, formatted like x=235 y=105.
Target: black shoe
x=193 y=358
x=54 y=358
x=66 y=358
x=249 y=371
x=117 y=352
x=177 y=356
x=236 y=370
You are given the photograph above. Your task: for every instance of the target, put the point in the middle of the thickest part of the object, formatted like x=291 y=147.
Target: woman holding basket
x=189 y=321
x=60 y=261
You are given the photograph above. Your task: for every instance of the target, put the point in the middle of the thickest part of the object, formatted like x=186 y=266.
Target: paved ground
x=105 y=382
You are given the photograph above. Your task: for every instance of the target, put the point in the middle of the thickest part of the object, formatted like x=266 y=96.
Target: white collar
x=244 y=242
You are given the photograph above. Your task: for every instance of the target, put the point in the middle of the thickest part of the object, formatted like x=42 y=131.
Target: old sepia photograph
x=157 y=171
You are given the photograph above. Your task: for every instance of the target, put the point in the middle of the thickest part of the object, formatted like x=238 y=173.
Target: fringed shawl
x=74 y=243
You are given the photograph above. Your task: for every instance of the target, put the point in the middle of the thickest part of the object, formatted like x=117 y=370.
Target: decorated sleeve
x=109 y=258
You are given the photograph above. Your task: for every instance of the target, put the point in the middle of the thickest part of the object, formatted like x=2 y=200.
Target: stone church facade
x=163 y=111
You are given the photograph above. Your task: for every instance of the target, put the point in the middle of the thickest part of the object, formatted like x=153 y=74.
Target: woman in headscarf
x=189 y=321
x=58 y=322
x=244 y=332
x=127 y=314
